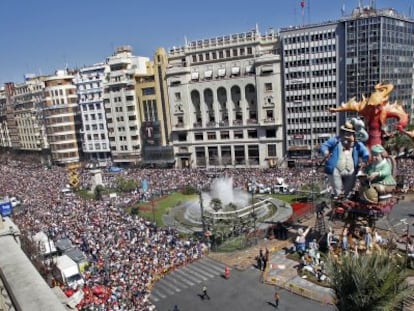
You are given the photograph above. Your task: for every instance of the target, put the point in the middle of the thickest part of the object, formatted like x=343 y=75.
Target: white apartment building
x=225 y=100
x=28 y=100
x=94 y=133
x=60 y=110
x=312 y=56
x=122 y=115
x=4 y=130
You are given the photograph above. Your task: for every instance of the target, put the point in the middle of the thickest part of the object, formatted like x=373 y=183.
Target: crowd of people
x=126 y=253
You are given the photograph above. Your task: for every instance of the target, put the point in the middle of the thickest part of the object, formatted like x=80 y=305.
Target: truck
x=5 y=207
x=67 y=272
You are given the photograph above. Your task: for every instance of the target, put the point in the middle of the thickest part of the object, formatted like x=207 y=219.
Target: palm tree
x=368 y=282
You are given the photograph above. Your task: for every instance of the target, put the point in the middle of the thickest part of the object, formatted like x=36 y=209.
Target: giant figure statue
x=375 y=191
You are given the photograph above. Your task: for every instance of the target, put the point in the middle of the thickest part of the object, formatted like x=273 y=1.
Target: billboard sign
x=151 y=133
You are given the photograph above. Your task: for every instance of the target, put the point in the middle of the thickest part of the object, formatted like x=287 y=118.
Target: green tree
x=126 y=185
x=368 y=282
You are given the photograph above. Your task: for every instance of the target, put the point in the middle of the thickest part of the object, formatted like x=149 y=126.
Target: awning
x=221 y=72
x=267 y=69
x=235 y=70
x=208 y=74
x=194 y=76
x=249 y=69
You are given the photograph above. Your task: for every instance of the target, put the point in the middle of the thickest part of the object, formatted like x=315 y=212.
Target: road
x=243 y=291
x=403 y=210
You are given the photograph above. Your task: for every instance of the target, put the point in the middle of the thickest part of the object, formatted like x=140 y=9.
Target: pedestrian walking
x=277 y=297
x=205 y=294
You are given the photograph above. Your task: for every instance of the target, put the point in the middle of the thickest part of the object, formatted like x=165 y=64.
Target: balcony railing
x=251 y=121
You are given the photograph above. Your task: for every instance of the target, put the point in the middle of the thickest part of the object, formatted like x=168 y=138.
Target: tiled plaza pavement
x=280 y=270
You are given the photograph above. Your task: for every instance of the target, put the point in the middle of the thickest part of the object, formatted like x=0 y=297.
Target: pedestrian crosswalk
x=186 y=277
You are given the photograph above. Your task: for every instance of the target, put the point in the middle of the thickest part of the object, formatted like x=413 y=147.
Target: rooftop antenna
x=343 y=8
x=185 y=40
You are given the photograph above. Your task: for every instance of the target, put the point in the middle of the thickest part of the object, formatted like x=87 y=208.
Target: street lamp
x=203 y=224
x=253 y=214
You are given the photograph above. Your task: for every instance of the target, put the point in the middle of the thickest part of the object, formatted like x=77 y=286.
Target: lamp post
x=253 y=214
x=203 y=224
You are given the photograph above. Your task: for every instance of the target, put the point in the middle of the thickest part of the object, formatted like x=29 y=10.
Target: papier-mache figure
x=361 y=133
x=343 y=154
x=380 y=182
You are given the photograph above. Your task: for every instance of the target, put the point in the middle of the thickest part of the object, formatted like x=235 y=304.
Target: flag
x=302 y=4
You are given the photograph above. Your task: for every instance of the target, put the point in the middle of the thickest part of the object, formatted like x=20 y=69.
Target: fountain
x=222 y=189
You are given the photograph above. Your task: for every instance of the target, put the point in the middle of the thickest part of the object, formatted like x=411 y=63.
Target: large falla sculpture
x=375 y=110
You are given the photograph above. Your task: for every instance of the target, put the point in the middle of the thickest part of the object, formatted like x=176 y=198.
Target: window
x=268 y=87
x=211 y=135
x=177 y=96
x=148 y=91
x=225 y=135
x=271 y=150
x=252 y=133
x=182 y=137
x=198 y=136
x=238 y=134
x=271 y=133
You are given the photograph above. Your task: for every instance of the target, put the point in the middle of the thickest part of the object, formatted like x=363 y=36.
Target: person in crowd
x=343 y=154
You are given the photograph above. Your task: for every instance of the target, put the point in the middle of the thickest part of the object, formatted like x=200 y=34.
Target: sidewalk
x=280 y=270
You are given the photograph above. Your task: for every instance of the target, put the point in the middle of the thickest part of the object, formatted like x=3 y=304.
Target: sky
x=41 y=36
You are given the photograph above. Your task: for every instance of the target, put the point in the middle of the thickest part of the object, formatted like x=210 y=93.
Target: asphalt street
x=401 y=215
x=243 y=291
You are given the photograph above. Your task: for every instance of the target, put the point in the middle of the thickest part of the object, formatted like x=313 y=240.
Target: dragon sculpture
x=376 y=110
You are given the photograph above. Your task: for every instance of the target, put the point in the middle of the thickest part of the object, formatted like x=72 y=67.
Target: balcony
x=251 y=121
x=269 y=120
x=211 y=124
